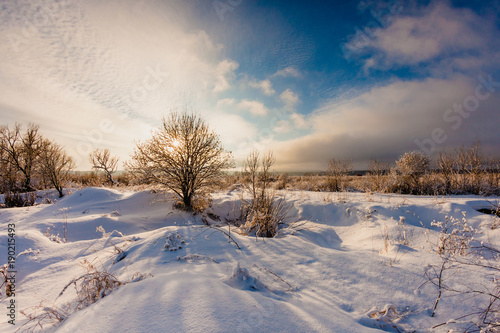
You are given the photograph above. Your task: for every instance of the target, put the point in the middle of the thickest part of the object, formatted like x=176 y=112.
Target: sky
x=309 y=80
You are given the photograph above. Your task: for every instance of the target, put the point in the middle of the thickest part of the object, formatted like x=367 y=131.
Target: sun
x=176 y=143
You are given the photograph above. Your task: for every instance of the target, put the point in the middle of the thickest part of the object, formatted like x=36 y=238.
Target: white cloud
x=254 y=107
x=265 y=86
x=443 y=29
x=437 y=32
x=295 y=121
x=225 y=102
x=290 y=99
x=232 y=128
x=224 y=74
x=298 y=120
x=282 y=126
x=287 y=72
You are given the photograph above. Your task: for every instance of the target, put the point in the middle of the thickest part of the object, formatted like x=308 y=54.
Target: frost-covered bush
x=464 y=262
x=409 y=168
x=455 y=236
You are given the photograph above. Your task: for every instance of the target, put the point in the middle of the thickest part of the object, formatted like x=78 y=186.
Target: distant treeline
x=29 y=162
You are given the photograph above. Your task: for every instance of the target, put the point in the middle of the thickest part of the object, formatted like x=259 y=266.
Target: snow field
x=355 y=266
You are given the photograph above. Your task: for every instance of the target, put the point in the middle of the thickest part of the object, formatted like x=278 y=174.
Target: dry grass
x=90 y=287
x=4 y=272
x=41 y=316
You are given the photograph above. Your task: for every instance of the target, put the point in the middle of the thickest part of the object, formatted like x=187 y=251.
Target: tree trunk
x=187 y=201
x=27 y=184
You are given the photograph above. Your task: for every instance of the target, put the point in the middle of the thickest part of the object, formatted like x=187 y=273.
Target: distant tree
x=8 y=172
x=470 y=163
x=492 y=169
x=101 y=159
x=55 y=165
x=337 y=171
x=184 y=155
x=378 y=170
x=446 y=164
x=21 y=151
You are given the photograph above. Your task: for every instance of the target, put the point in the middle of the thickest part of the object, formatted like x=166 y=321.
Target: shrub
x=264 y=212
x=282 y=182
x=265 y=216
x=19 y=199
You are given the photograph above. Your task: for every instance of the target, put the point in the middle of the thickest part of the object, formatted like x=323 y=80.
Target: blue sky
x=309 y=80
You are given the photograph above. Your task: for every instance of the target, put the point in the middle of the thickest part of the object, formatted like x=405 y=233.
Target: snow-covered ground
x=355 y=266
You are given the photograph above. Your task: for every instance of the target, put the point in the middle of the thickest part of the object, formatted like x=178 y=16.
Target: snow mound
x=90 y=194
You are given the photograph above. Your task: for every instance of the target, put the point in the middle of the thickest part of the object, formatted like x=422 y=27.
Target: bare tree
x=475 y=166
x=55 y=165
x=251 y=172
x=101 y=159
x=469 y=165
x=337 y=171
x=258 y=173
x=8 y=172
x=264 y=213
x=446 y=163
x=378 y=170
x=21 y=150
x=184 y=155
x=492 y=169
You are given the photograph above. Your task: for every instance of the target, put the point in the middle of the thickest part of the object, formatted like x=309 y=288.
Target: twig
x=222 y=231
